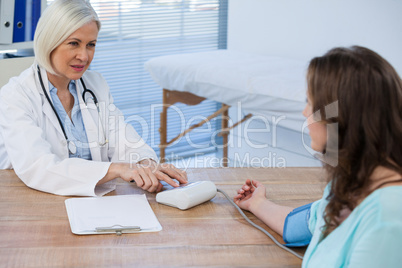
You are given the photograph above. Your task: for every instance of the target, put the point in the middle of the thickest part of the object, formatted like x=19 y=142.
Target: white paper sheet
x=111 y=212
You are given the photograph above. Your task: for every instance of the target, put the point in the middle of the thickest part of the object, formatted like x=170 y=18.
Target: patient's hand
x=250 y=195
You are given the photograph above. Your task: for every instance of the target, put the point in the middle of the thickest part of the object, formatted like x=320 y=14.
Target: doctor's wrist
x=113 y=172
x=149 y=162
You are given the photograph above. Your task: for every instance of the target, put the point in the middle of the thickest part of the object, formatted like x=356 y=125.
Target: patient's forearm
x=272 y=214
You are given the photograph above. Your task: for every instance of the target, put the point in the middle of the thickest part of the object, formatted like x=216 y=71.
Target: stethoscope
x=72 y=148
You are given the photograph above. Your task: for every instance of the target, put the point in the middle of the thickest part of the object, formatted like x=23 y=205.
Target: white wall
x=307 y=28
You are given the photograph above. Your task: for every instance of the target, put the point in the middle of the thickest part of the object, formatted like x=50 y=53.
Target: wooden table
x=35 y=232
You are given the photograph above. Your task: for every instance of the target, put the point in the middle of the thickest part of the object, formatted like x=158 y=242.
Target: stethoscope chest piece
x=71 y=147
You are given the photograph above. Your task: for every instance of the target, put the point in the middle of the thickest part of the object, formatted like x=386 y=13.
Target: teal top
x=371 y=236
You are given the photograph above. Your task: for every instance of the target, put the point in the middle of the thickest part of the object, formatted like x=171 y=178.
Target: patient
x=354 y=112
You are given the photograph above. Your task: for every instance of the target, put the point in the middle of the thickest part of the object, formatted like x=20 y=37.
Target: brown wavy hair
x=367 y=92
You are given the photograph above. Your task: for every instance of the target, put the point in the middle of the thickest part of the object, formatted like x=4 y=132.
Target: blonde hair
x=57 y=23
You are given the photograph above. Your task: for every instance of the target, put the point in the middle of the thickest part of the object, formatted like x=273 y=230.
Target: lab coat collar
x=90 y=117
x=46 y=107
x=45 y=80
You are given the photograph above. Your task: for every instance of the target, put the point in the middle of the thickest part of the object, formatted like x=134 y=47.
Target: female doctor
x=60 y=130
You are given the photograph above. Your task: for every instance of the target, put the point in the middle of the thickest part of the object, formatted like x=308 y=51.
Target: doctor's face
x=72 y=57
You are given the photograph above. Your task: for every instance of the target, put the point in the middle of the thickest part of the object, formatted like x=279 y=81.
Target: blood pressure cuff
x=295 y=231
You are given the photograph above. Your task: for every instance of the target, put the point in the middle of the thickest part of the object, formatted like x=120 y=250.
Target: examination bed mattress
x=268 y=86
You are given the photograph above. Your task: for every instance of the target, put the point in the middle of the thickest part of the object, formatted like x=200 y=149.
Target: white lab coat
x=32 y=142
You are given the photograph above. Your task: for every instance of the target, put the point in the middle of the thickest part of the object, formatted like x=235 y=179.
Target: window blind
x=135 y=31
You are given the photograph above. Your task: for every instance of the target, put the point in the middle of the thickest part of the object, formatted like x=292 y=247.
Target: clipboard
x=111 y=215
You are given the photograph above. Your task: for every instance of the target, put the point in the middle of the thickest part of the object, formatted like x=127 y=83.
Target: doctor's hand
x=147 y=174
x=164 y=172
